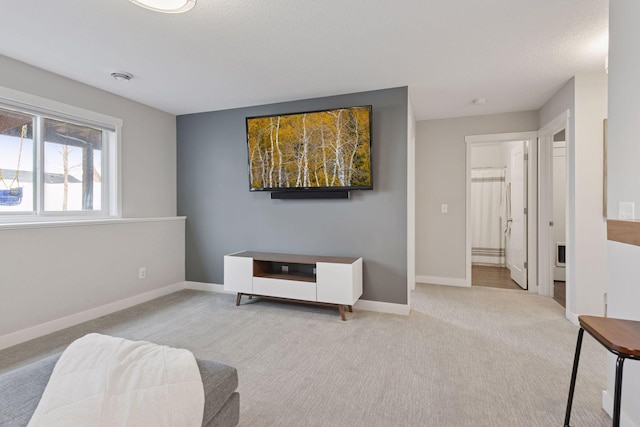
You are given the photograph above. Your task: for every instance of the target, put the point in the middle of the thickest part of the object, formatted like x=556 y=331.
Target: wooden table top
x=618 y=335
x=294 y=259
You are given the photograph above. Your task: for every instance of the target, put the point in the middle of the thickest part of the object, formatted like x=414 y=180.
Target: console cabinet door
x=238 y=274
x=339 y=283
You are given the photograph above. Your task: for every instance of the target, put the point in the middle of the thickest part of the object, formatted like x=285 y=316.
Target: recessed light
x=122 y=76
x=166 y=6
x=479 y=101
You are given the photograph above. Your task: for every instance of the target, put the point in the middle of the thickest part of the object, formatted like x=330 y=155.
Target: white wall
x=411 y=198
x=53 y=273
x=588 y=242
x=488 y=156
x=586 y=98
x=440 y=179
x=623 y=156
x=495 y=155
x=50 y=273
x=148 y=135
x=562 y=100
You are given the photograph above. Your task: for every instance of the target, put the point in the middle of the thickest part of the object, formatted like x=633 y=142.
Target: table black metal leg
x=618 y=392
x=574 y=373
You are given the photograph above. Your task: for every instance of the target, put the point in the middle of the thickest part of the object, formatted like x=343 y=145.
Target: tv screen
x=323 y=150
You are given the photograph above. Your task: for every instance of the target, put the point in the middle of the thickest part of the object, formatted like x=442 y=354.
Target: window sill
x=75 y=222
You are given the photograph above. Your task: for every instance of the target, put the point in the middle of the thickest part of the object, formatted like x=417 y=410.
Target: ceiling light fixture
x=166 y=6
x=122 y=76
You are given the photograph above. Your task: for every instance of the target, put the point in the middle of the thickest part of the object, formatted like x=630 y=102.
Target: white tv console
x=315 y=279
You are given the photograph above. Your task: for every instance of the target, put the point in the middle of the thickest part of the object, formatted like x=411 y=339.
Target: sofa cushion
x=21 y=389
x=228 y=415
x=219 y=381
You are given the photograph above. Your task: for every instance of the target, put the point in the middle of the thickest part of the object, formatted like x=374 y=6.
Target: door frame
x=545 y=165
x=531 y=144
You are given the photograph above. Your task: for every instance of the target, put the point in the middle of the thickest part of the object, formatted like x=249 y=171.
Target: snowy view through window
x=70 y=174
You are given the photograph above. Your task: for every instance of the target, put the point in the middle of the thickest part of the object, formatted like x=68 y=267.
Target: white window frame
x=45 y=108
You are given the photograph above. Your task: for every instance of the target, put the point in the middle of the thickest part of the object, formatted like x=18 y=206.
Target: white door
x=518 y=218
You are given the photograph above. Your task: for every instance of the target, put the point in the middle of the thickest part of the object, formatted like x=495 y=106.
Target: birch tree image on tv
x=320 y=149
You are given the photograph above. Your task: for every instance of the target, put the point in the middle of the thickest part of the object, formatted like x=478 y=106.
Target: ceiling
x=234 y=53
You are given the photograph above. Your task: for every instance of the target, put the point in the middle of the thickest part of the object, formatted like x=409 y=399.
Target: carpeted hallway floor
x=464 y=357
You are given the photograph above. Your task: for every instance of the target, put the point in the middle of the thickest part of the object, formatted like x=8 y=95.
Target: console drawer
x=284 y=288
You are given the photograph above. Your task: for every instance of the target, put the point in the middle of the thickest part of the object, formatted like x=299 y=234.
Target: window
x=16 y=149
x=53 y=163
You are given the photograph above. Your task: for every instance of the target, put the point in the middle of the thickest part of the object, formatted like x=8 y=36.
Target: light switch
x=444 y=208
x=626 y=210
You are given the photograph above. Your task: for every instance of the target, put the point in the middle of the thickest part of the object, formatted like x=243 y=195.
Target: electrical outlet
x=444 y=208
x=285 y=268
x=142 y=273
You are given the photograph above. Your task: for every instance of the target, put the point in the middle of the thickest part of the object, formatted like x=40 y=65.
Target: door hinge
x=525 y=211
x=526 y=156
x=526 y=264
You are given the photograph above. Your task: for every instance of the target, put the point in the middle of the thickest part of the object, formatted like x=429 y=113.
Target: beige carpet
x=464 y=357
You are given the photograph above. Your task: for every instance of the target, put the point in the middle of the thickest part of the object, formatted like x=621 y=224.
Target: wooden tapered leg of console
x=350 y=307
x=238 y=298
x=341 y=308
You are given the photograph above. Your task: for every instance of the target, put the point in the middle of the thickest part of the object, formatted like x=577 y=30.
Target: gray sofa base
x=228 y=415
x=21 y=389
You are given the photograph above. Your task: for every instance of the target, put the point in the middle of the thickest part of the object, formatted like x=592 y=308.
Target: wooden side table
x=622 y=338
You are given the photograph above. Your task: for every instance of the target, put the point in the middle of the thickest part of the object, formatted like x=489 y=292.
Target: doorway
x=501 y=188
x=553 y=202
x=558 y=227
x=498 y=219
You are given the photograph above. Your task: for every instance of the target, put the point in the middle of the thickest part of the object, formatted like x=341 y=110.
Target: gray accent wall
x=223 y=216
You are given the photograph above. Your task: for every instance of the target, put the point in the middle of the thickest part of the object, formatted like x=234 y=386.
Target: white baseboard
x=93 y=313
x=447 y=281
x=607 y=405
x=208 y=287
x=572 y=317
x=383 y=307
x=27 y=334
x=366 y=305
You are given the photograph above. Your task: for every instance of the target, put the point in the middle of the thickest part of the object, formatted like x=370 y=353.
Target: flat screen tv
x=311 y=151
